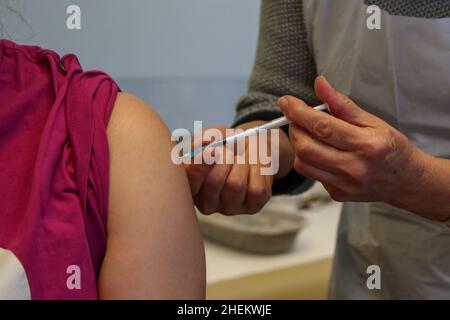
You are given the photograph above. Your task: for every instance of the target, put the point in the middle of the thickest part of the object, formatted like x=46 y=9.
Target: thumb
x=340 y=105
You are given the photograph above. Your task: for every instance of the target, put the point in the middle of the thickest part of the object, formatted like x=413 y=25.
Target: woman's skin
x=154 y=247
x=359 y=157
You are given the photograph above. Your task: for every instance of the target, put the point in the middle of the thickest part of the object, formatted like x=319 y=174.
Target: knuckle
x=235 y=185
x=214 y=181
x=375 y=148
x=301 y=150
x=392 y=140
x=358 y=174
x=362 y=176
x=322 y=129
x=257 y=192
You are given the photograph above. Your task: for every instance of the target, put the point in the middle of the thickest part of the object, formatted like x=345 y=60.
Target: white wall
x=187 y=57
x=141 y=38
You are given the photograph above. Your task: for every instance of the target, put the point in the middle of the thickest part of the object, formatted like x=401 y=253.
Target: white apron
x=401 y=74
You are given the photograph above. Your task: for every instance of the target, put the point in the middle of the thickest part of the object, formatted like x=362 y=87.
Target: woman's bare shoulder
x=154 y=245
x=131 y=112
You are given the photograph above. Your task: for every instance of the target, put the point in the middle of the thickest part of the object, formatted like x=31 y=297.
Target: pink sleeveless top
x=54 y=174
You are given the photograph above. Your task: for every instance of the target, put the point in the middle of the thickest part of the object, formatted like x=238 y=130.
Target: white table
x=315 y=243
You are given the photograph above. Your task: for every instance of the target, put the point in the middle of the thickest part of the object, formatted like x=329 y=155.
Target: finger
x=258 y=192
x=209 y=197
x=198 y=168
x=317 y=153
x=235 y=189
x=321 y=125
x=197 y=171
x=312 y=172
x=341 y=106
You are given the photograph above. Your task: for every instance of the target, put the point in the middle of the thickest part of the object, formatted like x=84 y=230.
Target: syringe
x=275 y=124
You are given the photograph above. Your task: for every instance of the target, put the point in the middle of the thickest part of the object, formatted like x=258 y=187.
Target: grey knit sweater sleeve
x=284 y=66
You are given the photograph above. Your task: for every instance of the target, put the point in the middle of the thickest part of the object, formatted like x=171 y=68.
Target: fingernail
x=334 y=94
x=283 y=103
x=326 y=81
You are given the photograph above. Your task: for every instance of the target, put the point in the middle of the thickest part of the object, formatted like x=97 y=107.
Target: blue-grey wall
x=191 y=59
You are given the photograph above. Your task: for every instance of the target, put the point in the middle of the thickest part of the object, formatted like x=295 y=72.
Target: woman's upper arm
x=154 y=250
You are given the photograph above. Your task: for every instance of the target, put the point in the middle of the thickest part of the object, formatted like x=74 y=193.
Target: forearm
x=429 y=195
x=282 y=65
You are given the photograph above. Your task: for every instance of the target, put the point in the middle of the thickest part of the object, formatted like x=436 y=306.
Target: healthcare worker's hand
x=233 y=189
x=357 y=156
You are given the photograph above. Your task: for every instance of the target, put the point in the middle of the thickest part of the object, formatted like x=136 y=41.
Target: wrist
x=407 y=189
x=422 y=193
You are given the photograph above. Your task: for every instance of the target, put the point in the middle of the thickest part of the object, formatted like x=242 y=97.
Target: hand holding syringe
x=275 y=124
